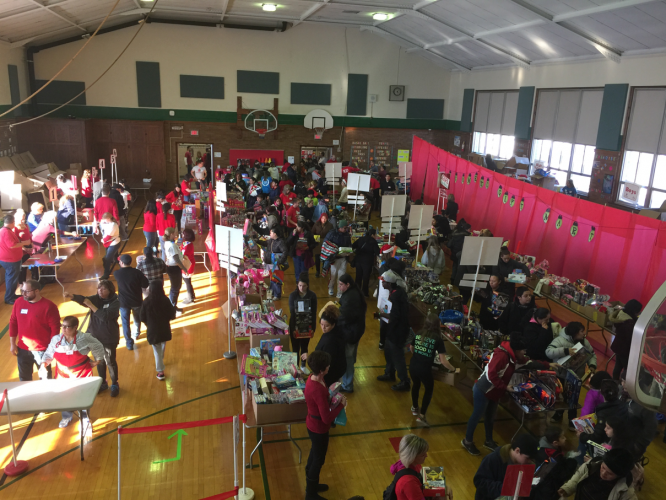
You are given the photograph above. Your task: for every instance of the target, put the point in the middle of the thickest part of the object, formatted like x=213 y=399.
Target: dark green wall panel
x=524 y=112
x=60 y=91
x=14 y=91
x=357 y=95
x=202 y=87
x=258 y=82
x=425 y=109
x=468 y=106
x=609 y=134
x=148 y=84
x=311 y=93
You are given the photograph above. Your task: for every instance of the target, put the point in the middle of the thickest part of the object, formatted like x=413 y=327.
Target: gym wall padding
x=202 y=87
x=148 y=88
x=524 y=113
x=429 y=109
x=626 y=255
x=468 y=107
x=357 y=94
x=257 y=82
x=311 y=93
x=60 y=91
x=609 y=135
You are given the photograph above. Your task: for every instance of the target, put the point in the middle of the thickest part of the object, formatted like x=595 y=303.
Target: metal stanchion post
x=15 y=467
x=244 y=493
x=229 y=354
x=119 y=427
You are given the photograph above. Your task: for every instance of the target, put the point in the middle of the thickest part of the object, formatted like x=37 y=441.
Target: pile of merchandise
x=272 y=374
x=536 y=391
x=442 y=296
x=419 y=276
x=259 y=319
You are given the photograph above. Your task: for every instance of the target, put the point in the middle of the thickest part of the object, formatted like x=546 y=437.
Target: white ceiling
x=457 y=34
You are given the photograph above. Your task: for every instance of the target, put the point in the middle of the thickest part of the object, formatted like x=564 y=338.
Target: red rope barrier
x=4 y=395
x=176 y=426
x=222 y=496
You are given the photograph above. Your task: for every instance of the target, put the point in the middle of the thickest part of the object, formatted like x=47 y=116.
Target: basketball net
x=319 y=132
x=261 y=132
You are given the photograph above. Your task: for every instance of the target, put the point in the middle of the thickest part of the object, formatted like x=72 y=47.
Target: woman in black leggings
x=427 y=343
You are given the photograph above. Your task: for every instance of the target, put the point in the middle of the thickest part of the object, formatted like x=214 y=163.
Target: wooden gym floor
x=201 y=384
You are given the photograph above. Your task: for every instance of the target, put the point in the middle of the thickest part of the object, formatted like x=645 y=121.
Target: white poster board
x=358 y=182
x=394 y=205
x=221 y=190
x=420 y=217
x=472 y=247
x=630 y=192
x=224 y=246
x=405 y=169
x=333 y=171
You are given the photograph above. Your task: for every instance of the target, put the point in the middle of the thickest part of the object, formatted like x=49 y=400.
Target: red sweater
x=103 y=205
x=316 y=397
x=34 y=323
x=409 y=487
x=185 y=188
x=287 y=199
x=162 y=224
x=149 y=223
x=188 y=251
x=8 y=239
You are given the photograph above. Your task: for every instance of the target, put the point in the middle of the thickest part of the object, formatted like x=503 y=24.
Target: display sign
x=381 y=154
x=290 y=159
x=403 y=155
x=333 y=171
x=194 y=132
x=102 y=163
x=630 y=192
x=358 y=182
x=444 y=180
x=359 y=154
x=405 y=169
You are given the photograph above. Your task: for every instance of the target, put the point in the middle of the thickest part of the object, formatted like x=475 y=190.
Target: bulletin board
x=359 y=153
x=605 y=176
x=381 y=154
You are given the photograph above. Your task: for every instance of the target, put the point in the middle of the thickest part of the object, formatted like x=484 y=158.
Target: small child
x=594 y=397
x=530 y=263
x=552 y=443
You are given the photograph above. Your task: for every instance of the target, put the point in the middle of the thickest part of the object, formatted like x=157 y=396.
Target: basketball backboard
x=318 y=120
x=261 y=122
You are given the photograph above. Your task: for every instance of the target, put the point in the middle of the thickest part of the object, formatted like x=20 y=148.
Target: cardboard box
x=544 y=182
x=75 y=169
x=477 y=159
x=278 y=413
x=255 y=340
x=654 y=213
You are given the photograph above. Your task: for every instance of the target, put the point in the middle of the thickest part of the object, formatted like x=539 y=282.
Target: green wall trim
x=522 y=129
x=193 y=115
x=609 y=134
x=468 y=106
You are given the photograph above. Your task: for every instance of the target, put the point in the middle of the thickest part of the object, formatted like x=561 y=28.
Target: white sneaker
x=422 y=420
x=64 y=422
x=415 y=411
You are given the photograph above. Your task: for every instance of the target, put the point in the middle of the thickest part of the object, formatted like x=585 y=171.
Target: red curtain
x=621 y=252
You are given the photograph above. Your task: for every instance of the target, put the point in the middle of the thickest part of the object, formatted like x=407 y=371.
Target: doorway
x=198 y=150
x=314 y=152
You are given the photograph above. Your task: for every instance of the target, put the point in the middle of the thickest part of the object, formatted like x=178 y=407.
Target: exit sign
x=194 y=132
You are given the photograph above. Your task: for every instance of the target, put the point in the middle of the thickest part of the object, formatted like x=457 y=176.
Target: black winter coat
x=537 y=339
x=490 y=474
x=514 y=317
x=274 y=246
x=352 y=315
x=366 y=249
x=157 y=318
x=293 y=297
x=293 y=239
x=604 y=411
x=103 y=323
x=334 y=343
x=621 y=344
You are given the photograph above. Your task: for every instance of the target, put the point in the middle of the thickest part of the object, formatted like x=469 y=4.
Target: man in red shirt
x=346 y=170
x=32 y=324
x=105 y=204
x=188 y=159
x=11 y=253
x=292 y=213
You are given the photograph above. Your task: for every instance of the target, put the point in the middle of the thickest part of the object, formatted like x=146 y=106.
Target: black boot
x=320 y=486
x=311 y=488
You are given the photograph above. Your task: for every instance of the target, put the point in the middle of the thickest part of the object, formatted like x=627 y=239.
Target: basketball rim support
x=240 y=121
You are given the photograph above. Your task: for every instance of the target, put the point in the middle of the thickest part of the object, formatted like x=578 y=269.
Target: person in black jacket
x=367 y=250
x=489 y=477
x=451 y=210
x=493 y=300
x=352 y=324
x=397 y=331
x=442 y=227
x=300 y=344
x=538 y=334
x=131 y=283
x=333 y=342
x=490 y=163
x=403 y=236
x=387 y=185
x=301 y=242
x=157 y=313
x=275 y=249
x=623 y=320
x=514 y=316
x=116 y=195
x=456 y=242
x=506 y=265
x=103 y=325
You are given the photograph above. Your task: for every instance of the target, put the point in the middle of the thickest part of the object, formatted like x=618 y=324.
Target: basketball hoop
x=261 y=132
x=318 y=120
x=319 y=132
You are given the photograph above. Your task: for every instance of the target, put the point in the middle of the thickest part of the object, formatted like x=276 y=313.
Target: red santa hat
x=387 y=248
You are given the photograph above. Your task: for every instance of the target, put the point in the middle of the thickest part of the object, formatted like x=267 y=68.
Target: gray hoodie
x=557 y=349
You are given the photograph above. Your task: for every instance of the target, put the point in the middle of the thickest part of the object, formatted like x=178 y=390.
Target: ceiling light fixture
x=269 y=7
x=380 y=16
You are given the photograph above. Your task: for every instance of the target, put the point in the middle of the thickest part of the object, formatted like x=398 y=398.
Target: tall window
x=645 y=151
x=494 y=123
x=565 y=134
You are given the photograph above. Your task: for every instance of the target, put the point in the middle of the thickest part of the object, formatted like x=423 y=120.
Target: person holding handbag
x=188 y=260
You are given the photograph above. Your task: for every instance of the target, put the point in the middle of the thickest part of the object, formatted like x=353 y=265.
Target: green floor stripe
x=410 y=428
x=115 y=431
x=262 y=464
x=4 y=330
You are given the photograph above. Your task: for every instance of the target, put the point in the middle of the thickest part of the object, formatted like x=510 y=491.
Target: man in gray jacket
x=561 y=346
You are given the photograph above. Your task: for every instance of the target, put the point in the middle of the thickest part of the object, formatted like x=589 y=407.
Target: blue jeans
x=299 y=266
x=125 y=318
x=12 y=270
x=151 y=239
x=110 y=258
x=348 y=377
x=482 y=405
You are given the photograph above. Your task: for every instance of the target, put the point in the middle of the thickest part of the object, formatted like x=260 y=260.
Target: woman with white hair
x=434 y=257
x=408 y=482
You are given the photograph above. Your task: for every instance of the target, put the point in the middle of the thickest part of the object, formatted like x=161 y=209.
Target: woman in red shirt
x=150 y=224
x=281 y=210
x=188 y=251
x=407 y=471
x=284 y=181
x=175 y=197
x=185 y=187
x=287 y=195
x=164 y=220
x=318 y=422
x=87 y=188
x=22 y=230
